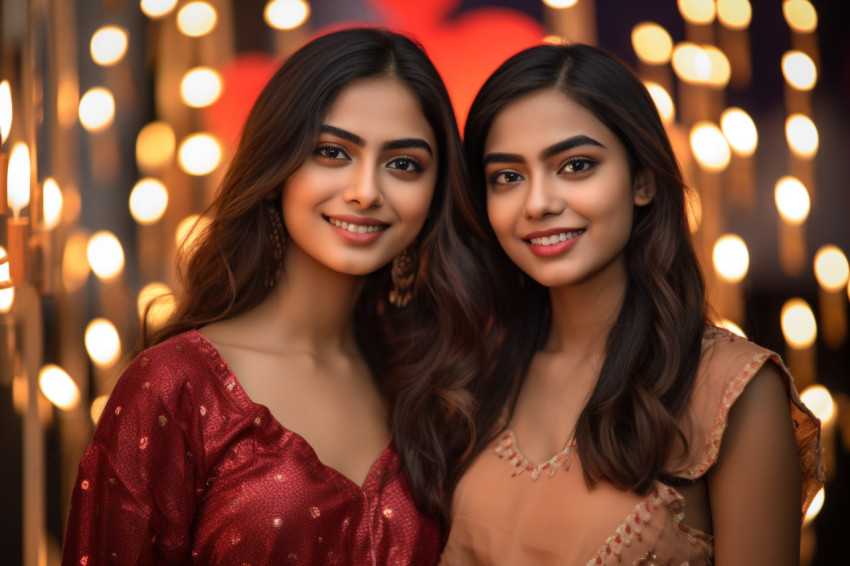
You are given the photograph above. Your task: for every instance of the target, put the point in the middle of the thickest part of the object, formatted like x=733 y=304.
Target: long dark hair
x=222 y=273
x=628 y=429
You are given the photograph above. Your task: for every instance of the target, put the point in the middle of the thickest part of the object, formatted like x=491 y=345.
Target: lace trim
x=666 y=499
x=507 y=448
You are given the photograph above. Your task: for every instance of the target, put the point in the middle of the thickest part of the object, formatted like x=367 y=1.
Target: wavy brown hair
x=628 y=428
x=419 y=354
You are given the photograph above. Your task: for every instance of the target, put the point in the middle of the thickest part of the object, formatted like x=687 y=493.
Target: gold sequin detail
x=257 y=421
x=84 y=484
x=230 y=385
x=162 y=420
x=143 y=443
x=144 y=362
x=203 y=411
x=118 y=410
x=292 y=558
x=388 y=512
x=277 y=522
x=314 y=512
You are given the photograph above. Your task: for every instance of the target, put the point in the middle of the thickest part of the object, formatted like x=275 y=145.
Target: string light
x=102 y=342
x=148 y=201
x=97 y=109
x=108 y=45
x=199 y=154
x=831 y=268
x=200 y=87
x=196 y=19
x=798 y=323
x=652 y=43
x=58 y=387
x=740 y=131
x=731 y=258
x=792 y=200
x=710 y=146
x=52 y=196
x=286 y=14
x=799 y=70
x=105 y=255
x=802 y=135
x=800 y=15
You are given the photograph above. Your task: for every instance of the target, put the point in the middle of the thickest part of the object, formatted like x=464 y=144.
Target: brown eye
x=331 y=152
x=577 y=165
x=405 y=165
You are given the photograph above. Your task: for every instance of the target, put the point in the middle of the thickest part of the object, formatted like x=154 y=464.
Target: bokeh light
x=58 y=387
x=558 y=4
x=727 y=324
x=97 y=407
x=792 y=200
x=52 y=196
x=697 y=11
x=108 y=45
x=5 y=111
x=740 y=131
x=800 y=15
x=798 y=323
x=189 y=230
x=831 y=268
x=709 y=146
x=102 y=342
x=7 y=295
x=196 y=19
x=663 y=101
x=731 y=258
x=200 y=87
x=105 y=255
x=734 y=14
x=652 y=43
x=286 y=14
x=199 y=154
x=155 y=146
x=18 y=178
x=148 y=201
x=157 y=8
x=799 y=70
x=161 y=300
x=802 y=135
x=97 y=109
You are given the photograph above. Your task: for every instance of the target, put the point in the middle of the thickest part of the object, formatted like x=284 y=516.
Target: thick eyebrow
x=408 y=142
x=344 y=134
x=554 y=149
x=569 y=143
x=394 y=144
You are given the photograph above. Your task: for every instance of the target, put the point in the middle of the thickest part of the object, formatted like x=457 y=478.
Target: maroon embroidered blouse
x=185 y=468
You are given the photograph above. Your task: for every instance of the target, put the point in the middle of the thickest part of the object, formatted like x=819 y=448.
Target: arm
x=133 y=499
x=754 y=488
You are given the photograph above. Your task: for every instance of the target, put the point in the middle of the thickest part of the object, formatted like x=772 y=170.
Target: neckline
x=507 y=447
x=234 y=388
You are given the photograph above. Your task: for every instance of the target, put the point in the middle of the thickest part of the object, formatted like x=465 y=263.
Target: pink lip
x=553 y=249
x=356 y=237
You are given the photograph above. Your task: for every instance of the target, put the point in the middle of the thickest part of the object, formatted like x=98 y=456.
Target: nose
x=542 y=198
x=364 y=191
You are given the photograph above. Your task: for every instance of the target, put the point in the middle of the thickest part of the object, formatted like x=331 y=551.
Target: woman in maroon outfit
x=258 y=427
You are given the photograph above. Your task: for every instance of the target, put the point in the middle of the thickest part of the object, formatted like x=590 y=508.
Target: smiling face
x=364 y=193
x=560 y=195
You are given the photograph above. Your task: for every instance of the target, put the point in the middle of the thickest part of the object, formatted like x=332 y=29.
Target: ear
x=644 y=189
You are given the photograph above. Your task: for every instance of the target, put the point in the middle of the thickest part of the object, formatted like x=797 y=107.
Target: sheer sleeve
x=134 y=498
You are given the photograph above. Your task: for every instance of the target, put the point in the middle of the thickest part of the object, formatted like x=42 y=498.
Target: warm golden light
x=97 y=407
x=196 y=19
x=108 y=45
x=5 y=110
x=18 y=179
x=286 y=14
x=58 y=387
x=799 y=70
x=557 y=4
x=831 y=268
x=97 y=109
x=102 y=342
x=819 y=401
x=157 y=8
x=105 y=255
x=7 y=295
x=199 y=154
x=75 y=265
x=800 y=15
x=691 y=63
x=693 y=207
x=697 y=11
x=200 y=87
x=798 y=323
x=727 y=324
x=709 y=146
x=155 y=146
x=731 y=258
x=792 y=200
x=161 y=300
x=815 y=507
x=52 y=197
x=663 y=101
x=720 y=70
x=734 y=14
x=652 y=43
x=189 y=229
x=802 y=135
x=740 y=131
x=148 y=201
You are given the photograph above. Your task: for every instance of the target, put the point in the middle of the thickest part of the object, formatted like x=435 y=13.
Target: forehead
x=541 y=119
x=379 y=109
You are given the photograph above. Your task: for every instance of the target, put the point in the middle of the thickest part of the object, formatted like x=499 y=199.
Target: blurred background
x=118 y=118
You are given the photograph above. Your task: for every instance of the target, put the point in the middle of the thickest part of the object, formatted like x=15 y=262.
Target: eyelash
x=417 y=167
x=586 y=162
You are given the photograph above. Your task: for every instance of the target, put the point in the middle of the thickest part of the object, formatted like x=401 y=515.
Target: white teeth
x=555 y=238
x=355 y=228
